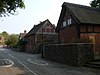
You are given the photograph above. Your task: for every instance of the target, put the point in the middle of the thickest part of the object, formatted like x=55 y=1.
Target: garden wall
x=77 y=54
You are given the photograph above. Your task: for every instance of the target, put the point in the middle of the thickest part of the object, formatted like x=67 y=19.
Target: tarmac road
x=33 y=64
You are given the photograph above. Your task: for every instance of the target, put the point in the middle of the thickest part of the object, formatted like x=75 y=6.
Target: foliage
x=12 y=40
x=22 y=42
x=9 y=6
x=95 y=3
x=5 y=34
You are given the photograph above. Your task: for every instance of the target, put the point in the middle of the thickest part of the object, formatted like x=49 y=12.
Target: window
x=64 y=23
x=69 y=21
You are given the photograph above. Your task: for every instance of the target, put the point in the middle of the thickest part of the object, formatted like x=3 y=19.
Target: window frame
x=64 y=24
x=69 y=21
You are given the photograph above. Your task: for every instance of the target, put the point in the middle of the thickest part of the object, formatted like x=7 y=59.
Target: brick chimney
x=24 y=31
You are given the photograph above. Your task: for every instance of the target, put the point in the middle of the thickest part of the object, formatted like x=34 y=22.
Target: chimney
x=24 y=31
x=34 y=25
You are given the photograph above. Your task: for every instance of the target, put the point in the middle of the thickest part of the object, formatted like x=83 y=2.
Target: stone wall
x=72 y=54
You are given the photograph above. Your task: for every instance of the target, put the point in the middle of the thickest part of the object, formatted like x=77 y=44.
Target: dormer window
x=69 y=21
x=64 y=23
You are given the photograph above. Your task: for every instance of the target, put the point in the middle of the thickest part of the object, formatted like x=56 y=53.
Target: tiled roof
x=84 y=14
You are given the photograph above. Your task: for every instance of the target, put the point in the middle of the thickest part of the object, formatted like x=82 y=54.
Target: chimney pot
x=24 y=31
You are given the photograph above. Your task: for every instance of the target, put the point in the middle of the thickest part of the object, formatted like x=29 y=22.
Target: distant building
x=22 y=41
x=2 y=40
x=22 y=34
x=40 y=34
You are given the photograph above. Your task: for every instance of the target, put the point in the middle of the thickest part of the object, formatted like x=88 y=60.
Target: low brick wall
x=71 y=54
x=35 y=49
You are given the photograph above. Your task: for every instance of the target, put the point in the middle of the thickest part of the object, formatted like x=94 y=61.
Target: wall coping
x=70 y=44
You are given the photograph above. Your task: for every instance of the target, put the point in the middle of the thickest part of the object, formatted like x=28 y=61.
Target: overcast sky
x=35 y=11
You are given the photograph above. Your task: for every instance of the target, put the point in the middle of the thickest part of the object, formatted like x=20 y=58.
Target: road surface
x=33 y=64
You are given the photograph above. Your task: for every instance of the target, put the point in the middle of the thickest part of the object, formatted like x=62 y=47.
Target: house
x=40 y=34
x=22 y=34
x=22 y=42
x=79 y=22
x=2 y=40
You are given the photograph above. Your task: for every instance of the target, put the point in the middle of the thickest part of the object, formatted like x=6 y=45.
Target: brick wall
x=30 y=43
x=71 y=54
x=33 y=46
x=68 y=35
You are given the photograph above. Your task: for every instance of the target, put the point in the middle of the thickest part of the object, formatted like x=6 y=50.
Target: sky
x=34 y=12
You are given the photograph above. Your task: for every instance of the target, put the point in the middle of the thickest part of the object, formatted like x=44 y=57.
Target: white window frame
x=69 y=21
x=64 y=23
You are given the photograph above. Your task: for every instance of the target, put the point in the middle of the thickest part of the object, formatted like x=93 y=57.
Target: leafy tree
x=12 y=40
x=9 y=6
x=5 y=34
x=95 y=3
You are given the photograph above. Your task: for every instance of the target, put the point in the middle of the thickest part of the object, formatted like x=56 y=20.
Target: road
x=33 y=64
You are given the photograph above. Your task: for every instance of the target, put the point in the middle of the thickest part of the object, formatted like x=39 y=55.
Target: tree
x=12 y=40
x=5 y=34
x=10 y=6
x=95 y=3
